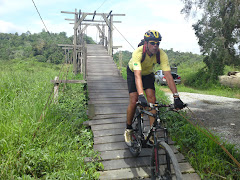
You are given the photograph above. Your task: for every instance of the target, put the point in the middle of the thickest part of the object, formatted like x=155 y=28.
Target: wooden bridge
x=107 y=110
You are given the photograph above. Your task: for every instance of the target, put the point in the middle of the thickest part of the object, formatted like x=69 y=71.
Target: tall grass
x=53 y=147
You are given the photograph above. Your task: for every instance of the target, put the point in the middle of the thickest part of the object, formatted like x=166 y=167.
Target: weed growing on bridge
x=60 y=144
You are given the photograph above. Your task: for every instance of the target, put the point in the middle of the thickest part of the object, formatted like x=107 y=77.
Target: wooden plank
x=103 y=74
x=69 y=81
x=112 y=86
x=117 y=146
x=111 y=110
x=110 y=146
x=114 y=91
x=125 y=153
x=107 y=116
x=135 y=162
x=116 y=138
x=105 y=79
x=100 y=127
x=128 y=173
x=143 y=172
x=99 y=102
x=108 y=132
x=106 y=121
x=107 y=94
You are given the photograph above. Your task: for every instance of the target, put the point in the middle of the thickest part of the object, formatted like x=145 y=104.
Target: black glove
x=178 y=104
x=142 y=100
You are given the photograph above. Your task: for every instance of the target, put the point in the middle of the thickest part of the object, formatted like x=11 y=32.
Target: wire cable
x=101 y=5
x=124 y=37
x=40 y=16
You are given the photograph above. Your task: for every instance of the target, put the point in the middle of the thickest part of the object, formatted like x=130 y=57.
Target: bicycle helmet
x=152 y=35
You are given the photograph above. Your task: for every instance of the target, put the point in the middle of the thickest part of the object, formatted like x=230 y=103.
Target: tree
x=218 y=32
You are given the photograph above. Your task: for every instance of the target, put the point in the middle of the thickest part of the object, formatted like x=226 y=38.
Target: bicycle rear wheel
x=164 y=166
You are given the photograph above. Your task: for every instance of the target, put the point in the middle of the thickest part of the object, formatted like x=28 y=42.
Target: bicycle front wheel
x=164 y=164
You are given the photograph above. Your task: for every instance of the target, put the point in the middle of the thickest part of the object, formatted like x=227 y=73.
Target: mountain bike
x=164 y=164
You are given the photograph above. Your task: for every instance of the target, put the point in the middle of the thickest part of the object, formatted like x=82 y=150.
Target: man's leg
x=150 y=93
x=133 y=97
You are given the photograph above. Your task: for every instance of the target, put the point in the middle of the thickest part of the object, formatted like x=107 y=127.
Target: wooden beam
x=87 y=20
x=69 y=45
x=97 y=14
x=116 y=47
x=69 y=19
x=94 y=15
x=68 y=81
x=80 y=20
x=83 y=29
x=67 y=12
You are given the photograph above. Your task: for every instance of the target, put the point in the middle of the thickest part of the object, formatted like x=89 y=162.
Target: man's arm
x=170 y=81
x=138 y=81
x=178 y=104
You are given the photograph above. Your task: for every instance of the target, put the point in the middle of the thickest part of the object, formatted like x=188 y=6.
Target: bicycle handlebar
x=156 y=105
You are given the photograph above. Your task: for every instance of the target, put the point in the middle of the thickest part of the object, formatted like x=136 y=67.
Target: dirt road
x=220 y=114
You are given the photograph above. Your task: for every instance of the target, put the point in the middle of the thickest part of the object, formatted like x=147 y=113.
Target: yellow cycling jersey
x=147 y=65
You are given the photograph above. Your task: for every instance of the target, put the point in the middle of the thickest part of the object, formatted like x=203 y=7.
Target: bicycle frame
x=154 y=127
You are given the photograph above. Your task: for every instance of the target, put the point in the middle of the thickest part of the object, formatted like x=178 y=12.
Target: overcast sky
x=140 y=15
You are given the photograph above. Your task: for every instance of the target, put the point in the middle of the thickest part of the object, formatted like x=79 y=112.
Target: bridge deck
x=108 y=103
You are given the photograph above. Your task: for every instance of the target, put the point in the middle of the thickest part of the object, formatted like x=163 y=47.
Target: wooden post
x=75 y=43
x=106 y=43
x=103 y=35
x=120 y=61
x=56 y=86
x=110 y=40
x=84 y=61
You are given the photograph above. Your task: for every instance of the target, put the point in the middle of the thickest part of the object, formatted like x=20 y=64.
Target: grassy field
x=53 y=147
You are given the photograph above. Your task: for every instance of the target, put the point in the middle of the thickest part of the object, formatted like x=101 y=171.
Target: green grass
x=205 y=156
x=54 y=147
x=193 y=83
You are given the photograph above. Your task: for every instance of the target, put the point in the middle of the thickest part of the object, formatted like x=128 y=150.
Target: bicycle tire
x=136 y=146
x=164 y=171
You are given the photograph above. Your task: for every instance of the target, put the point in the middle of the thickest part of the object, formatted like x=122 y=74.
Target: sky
x=140 y=16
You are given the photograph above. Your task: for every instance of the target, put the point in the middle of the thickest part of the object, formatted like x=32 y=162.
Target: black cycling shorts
x=148 y=81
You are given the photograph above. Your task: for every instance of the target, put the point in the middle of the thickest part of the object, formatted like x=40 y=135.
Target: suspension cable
x=124 y=37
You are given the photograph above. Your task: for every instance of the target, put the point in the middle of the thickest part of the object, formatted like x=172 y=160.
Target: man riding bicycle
x=140 y=78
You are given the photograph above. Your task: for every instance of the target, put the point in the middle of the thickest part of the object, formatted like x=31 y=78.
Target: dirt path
x=220 y=114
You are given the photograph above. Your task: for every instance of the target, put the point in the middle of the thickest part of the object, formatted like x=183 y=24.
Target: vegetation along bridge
x=108 y=100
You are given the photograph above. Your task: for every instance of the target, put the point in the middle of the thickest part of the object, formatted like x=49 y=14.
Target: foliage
x=53 y=147
x=206 y=157
x=218 y=32
x=126 y=56
x=43 y=46
x=88 y=39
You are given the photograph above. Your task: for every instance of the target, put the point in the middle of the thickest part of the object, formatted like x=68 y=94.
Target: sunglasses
x=153 y=43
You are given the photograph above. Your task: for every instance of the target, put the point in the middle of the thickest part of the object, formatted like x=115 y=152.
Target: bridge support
x=80 y=25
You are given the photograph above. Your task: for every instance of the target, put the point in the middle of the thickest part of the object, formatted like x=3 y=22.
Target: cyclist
x=140 y=78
